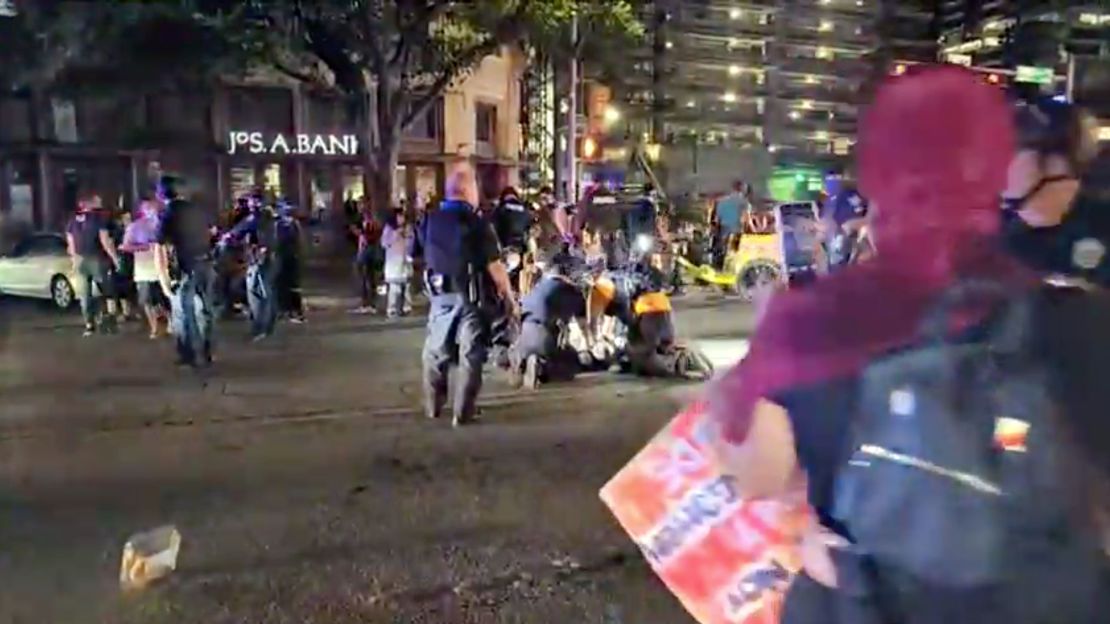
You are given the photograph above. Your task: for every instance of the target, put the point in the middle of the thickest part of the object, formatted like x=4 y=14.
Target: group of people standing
x=172 y=259
x=383 y=253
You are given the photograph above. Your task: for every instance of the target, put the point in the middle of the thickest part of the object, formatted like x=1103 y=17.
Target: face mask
x=1015 y=204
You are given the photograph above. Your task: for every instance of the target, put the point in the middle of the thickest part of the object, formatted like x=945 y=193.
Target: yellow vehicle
x=754 y=259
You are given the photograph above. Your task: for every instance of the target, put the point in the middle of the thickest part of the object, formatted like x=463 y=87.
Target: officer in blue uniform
x=258 y=232
x=546 y=311
x=466 y=283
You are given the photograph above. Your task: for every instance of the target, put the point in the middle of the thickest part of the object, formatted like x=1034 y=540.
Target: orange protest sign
x=728 y=560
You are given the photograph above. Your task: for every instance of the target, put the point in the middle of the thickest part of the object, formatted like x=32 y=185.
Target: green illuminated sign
x=1035 y=75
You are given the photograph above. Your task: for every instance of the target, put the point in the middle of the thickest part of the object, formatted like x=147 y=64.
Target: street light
x=611 y=115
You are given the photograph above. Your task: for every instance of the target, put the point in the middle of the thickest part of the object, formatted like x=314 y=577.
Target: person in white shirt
x=139 y=240
x=396 y=240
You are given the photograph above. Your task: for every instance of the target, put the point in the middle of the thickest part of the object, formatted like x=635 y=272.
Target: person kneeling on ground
x=539 y=354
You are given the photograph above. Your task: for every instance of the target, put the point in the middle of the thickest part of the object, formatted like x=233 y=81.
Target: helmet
x=1051 y=127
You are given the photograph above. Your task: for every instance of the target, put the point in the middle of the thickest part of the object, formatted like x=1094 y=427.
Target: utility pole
x=570 y=180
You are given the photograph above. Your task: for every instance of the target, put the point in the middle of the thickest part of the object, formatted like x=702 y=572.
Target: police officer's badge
x=1087 y=253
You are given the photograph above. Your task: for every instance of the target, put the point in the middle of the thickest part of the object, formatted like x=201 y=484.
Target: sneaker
x=365 y=310
x=259 y=338
x=89 y=331
x=461 y=421
x=531 y=380
x=298 y=320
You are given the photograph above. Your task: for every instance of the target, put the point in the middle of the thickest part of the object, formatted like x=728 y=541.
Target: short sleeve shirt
x=85 y=229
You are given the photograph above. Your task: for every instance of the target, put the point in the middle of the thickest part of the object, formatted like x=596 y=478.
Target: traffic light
x=588 y=148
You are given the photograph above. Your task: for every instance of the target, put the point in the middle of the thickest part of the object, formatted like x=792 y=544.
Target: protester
x=397 y=239
x=1049 y=222
x=933 y=154
x=94 y=258
x=730 y=213
x=368 y=258
x=139 y=240
x=842 y=218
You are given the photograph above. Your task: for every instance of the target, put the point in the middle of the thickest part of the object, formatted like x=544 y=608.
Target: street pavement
x=305 y=485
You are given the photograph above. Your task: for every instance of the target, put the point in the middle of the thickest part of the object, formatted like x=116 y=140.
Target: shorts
x=150 y=294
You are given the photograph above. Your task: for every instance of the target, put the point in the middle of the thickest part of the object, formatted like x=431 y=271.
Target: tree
x=393 y=59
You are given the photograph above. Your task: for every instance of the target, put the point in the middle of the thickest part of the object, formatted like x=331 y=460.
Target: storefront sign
x=300 y=144
x=1035 y=75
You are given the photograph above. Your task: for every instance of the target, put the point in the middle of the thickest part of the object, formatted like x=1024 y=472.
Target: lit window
x=806 y=104
x=824 y=53
x=821 y=135
x=812 y=80
x=732 y=43
x=733 y=70
x=825 y=26
x=735 y=14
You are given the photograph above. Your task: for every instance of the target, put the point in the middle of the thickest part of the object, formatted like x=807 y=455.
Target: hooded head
x=934 y=149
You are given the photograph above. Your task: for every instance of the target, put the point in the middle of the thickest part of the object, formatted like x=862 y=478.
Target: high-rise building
x=1070 y=38
x=1004 y=33
x=786 y=76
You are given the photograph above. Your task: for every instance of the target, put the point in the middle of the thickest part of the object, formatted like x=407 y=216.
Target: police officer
x=546 y=312
x=466 y=282
x=1052 y=219
x=183 y=248
x=258 y=232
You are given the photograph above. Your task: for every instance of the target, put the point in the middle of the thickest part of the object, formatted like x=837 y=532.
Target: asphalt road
x=305 y=485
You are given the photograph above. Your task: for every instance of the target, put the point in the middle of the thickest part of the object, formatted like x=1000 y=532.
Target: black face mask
x=1011 y=205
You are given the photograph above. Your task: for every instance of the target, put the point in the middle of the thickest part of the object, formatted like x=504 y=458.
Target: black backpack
x=955 y=488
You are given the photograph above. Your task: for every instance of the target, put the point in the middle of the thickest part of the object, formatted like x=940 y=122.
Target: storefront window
x=353 y=186
x=21 y=199
x=242 y=181
x=271 y=179
x=399 y=185
x=427 y=185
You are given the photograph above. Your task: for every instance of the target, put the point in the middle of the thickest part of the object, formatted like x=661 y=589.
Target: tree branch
x=448 y=75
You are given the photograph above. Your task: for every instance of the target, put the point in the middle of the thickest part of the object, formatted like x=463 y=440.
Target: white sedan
x=39 y=267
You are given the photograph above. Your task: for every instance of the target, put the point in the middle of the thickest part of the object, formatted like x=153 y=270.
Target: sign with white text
x=296 y=144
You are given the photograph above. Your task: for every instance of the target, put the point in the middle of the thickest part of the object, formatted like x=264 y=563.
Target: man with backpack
x=945 y=407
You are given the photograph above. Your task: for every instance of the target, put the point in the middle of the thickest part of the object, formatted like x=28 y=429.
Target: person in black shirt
x=94 y=256
x=182 y=256
x=1050 y=220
